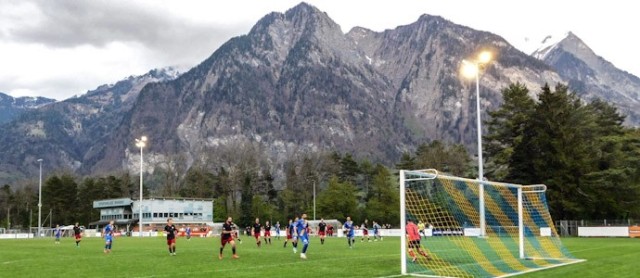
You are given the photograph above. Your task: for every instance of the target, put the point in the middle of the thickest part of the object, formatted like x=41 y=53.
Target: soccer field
x=148 y=257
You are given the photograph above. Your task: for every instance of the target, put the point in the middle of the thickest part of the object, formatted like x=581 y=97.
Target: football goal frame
x=472 y=228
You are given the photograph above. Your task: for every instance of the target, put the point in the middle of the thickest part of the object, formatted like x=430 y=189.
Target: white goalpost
x=514 y=235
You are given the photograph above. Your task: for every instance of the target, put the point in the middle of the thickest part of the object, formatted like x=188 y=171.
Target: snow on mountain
x=547 y=44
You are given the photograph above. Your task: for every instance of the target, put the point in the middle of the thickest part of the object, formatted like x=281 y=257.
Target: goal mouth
x=472 y=228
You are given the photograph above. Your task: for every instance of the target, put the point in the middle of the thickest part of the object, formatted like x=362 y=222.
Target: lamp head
x=142 y=142
x=485 y=57
x=469 y=69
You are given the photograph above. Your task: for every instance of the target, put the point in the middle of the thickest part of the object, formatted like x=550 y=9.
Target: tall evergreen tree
x=556 y=151
x=506 y=129
x=60 y=198
x=383 y=201
x=452 y=159
x=338 y=200
x=407 y=162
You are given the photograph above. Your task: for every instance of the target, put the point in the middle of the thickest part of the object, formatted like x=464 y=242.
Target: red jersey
x=412 y=231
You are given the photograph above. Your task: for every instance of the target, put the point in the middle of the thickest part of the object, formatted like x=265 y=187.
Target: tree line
x=588 y=159
x=582 y=151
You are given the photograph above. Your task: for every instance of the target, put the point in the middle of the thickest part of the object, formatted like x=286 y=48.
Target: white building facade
x=155 y=212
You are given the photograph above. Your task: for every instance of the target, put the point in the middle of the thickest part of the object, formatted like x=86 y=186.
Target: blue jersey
x=292 y=228
x=58 y=232
x=349 y=226
x=108 y=233
x=188 y=230
x=108 y=230
x=301 y=228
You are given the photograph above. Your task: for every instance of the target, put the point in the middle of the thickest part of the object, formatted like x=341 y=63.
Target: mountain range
x=297 y=83
x=11 y=108
x=62 y=132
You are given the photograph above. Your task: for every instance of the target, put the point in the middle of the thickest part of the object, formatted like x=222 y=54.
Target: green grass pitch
x=148 y=257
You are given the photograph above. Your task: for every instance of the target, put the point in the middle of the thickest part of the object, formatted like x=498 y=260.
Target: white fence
x=16 y=236
x=603 y=231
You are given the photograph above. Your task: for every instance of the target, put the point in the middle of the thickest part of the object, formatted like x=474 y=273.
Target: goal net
x=477 y=229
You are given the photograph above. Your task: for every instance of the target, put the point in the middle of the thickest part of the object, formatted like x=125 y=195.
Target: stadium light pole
x=141 y=143
x=40 y=200
x=471 y=69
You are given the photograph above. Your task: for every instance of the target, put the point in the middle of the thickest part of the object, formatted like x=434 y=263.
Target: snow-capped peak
x=547 y=44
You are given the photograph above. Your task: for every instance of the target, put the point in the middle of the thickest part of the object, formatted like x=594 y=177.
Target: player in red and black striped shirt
x=256 y=231
x=321 y=230
x=77 y=231
x=267 y=232
x=226 y=236
x=171 y=236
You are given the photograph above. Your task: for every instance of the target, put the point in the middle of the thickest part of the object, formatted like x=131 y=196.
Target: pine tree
x=506 y=129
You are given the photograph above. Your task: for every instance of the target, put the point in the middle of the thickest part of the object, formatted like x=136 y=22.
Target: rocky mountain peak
x=591 y=76
x=302 y=30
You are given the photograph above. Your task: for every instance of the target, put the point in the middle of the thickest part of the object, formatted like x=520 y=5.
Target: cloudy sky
x=62 y=48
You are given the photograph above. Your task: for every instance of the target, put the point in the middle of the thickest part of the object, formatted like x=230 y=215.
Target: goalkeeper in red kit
x=413 y=235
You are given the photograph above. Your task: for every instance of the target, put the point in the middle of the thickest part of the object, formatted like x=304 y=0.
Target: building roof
x=115 y=221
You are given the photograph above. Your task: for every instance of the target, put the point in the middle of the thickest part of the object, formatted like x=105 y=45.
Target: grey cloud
x=70 y=23
x=166 y=40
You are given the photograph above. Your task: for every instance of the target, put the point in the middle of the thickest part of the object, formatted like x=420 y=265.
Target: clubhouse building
x=155 y=211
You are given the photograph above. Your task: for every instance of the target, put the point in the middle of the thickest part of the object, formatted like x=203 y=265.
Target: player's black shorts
x=414 y=243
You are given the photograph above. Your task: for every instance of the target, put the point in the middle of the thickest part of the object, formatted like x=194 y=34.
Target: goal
x=477 y=229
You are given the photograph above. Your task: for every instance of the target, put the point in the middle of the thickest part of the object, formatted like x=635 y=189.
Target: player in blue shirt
x=376 y=231
x=349 y=231
x=303 y=235
x=58 y=234
x=107 y=234
x=188 y=232
x=277 y=226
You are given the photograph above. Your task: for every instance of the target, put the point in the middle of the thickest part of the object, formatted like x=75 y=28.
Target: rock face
x=295 y=82
x=591 y=76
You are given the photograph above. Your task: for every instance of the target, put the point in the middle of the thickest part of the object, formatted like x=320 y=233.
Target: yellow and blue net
x=448 y=208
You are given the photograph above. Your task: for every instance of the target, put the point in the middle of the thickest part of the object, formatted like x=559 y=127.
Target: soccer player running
x=277 y=227
x=365 y=231
x=236 y=233
x=302 y=229
x=413 y=235
x=226 y=236
x=171 y=231
x=107 y=234
x=256 y=231
x=322 y=227
x=58 y=234
x=421 y=227
x=187 y=231
x=376 y=231
x=289 y=233
x=77 y=232
x=349 y=230
x=267 y=232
